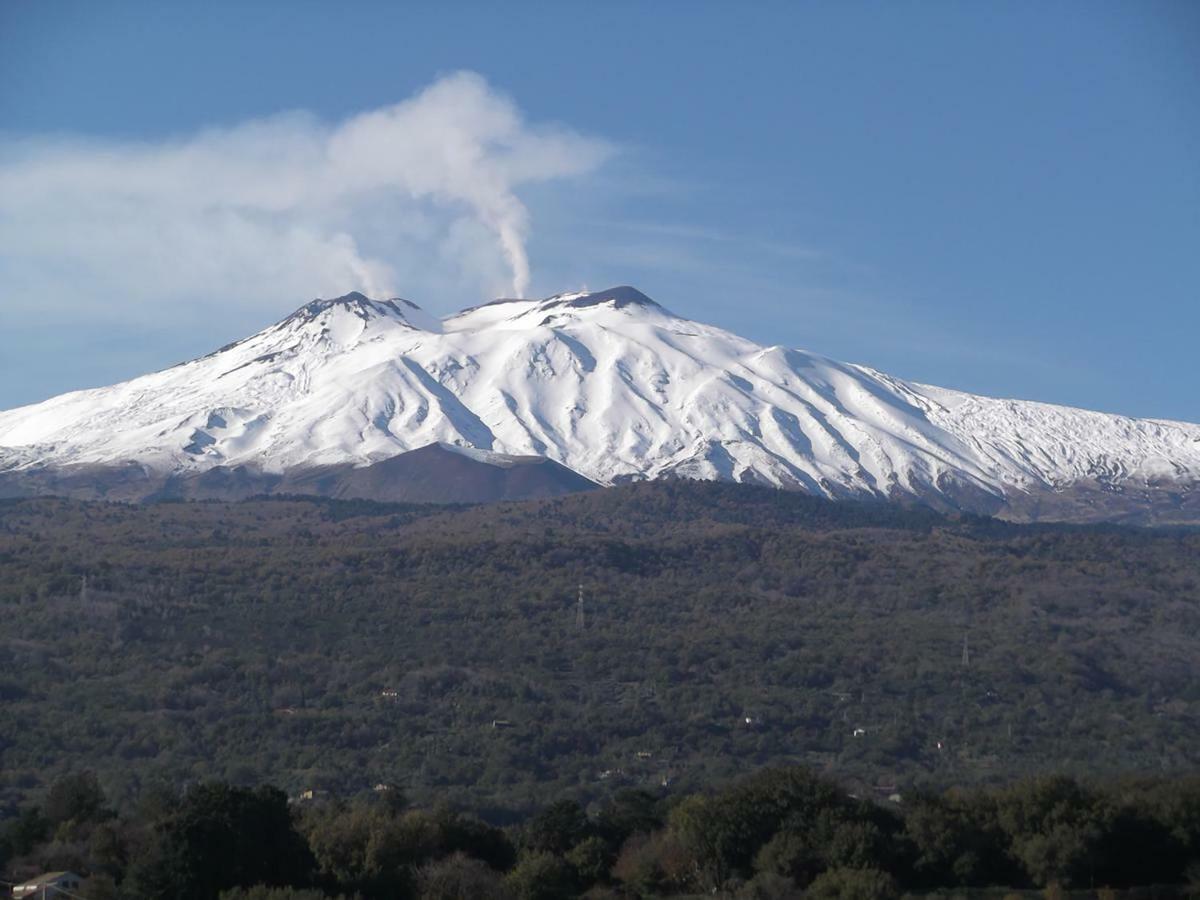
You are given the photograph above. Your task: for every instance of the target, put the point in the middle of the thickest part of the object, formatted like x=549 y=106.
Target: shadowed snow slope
x=611 y=385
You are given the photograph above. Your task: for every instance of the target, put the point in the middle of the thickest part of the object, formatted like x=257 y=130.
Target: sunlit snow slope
x=609 y=384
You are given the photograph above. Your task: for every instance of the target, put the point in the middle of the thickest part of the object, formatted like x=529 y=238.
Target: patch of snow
x=608 y=383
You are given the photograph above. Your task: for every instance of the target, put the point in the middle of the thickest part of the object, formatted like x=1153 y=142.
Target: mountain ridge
x=615 y=387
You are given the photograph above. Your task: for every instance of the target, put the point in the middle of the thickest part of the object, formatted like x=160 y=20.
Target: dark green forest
x=335 y=646
x=772 y=835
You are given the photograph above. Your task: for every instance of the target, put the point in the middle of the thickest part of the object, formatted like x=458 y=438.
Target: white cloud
x=387 y=201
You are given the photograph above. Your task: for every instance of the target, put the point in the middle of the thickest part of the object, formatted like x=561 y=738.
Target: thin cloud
x=421 y=192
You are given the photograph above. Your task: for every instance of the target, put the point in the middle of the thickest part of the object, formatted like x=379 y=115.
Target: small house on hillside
x=50 y=884
x=312 y=795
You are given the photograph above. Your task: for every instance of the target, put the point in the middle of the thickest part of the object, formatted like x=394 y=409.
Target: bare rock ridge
x=350 y=396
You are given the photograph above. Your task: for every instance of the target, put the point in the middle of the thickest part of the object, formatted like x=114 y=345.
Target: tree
x=223 y=837
x=476 y=839
x=366 y=848
x=556 y=829
x=630 y=811
x=853 y=884
x=20 y=835
x=655 y=863
x=262 y=892
x=75 y=798
x=591 y=858
x=957 y=840
x=790 y=855
x=1055 y=828
x=541 y=876
x=725 y=832
x=458 y=877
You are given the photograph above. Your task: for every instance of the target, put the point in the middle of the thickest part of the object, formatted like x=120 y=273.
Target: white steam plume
x=287 y=204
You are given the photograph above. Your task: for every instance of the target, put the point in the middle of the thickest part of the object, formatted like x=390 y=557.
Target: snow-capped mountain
x=609 y=384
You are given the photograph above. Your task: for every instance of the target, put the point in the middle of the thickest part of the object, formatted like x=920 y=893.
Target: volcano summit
x=609 y=385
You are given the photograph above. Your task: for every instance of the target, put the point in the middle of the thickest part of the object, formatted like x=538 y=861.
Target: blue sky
x=1001 y=198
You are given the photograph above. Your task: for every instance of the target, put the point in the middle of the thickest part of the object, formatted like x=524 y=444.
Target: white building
x=51 y=884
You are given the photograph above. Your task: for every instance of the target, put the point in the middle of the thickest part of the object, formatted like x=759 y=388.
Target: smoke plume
x=292 y=205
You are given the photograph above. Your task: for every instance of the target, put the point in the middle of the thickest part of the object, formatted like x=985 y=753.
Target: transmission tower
x=966 y=657
x=579 y=621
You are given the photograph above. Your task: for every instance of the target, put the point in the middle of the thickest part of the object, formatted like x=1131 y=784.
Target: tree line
x=773 y=834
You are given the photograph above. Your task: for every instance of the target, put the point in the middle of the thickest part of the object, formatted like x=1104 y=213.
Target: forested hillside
x=337 y=645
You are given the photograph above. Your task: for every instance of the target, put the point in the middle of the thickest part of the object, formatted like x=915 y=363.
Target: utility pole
x=579 y=620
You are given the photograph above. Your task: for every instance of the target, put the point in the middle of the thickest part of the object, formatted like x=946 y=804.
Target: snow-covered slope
x=609 y=384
